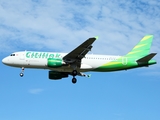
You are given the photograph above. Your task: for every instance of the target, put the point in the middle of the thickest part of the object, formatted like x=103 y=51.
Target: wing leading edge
x=78 y=53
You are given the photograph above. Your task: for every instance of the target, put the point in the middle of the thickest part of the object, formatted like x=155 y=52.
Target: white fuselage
x=38 y=60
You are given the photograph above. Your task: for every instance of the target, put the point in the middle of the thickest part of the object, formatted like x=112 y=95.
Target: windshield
x=12 y=55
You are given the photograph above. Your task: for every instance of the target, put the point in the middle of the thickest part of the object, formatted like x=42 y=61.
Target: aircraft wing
x=78 y=53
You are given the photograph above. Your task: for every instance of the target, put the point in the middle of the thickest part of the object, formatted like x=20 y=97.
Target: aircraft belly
x=62 y=69
x=85 y=66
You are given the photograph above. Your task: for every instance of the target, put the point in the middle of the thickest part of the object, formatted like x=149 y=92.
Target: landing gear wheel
x=74 y=72
x=21 y=74
x=74 y=80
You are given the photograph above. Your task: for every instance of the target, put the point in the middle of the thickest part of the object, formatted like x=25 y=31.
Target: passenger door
x=124 y=61
x=22 y=56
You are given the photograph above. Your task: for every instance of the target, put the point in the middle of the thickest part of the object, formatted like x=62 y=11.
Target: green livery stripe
x=142 y=48
x=129 y=61
x=119 y=64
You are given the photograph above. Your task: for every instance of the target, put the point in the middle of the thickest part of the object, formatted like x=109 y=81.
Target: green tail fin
x=142 y=48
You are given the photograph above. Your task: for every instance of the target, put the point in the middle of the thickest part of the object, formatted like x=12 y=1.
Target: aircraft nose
x=5 y=60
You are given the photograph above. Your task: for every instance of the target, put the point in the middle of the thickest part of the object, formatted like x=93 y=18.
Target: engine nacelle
x=57 y=75
x=54 y=62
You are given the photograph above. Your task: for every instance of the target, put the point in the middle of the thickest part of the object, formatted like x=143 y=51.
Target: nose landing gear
x=22 y=72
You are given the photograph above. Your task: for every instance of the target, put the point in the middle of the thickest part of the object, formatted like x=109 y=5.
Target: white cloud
x=62 y=25
x=36 y=91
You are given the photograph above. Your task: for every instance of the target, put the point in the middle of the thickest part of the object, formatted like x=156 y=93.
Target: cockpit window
x=12 y=55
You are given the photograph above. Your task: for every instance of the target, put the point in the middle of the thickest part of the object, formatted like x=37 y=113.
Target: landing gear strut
x=22 y=72
x=74 y=73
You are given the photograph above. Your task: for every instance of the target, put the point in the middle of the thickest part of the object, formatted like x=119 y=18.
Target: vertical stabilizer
x=142 y=48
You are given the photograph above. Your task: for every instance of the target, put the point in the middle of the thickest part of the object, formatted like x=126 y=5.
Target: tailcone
x=151 y=62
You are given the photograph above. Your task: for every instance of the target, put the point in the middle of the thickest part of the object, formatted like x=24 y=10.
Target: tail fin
x=142 y=48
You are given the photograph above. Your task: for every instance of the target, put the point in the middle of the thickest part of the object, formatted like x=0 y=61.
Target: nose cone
x=5 y=61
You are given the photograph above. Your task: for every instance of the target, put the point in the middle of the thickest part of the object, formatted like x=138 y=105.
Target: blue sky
x=47 y=25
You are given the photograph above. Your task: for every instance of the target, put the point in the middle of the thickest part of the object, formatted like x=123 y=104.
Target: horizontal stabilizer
x=146 y=58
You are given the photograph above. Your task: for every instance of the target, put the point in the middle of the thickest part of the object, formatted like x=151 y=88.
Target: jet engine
x=54 y=62
x=57 y=75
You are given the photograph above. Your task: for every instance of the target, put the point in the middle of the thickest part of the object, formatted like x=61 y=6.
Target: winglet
x=96 y=37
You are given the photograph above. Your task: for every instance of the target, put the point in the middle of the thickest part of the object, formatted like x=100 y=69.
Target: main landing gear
x=22 y=72
x=74 y=80
x=74 y=73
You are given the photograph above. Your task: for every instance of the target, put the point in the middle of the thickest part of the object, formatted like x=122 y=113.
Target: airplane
x=61 y=65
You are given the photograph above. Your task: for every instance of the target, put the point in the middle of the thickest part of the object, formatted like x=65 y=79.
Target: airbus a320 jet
x=61 y=65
